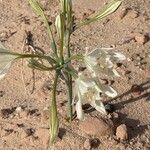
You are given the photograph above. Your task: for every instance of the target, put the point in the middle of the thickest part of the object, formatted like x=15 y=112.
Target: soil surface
x=25 y=93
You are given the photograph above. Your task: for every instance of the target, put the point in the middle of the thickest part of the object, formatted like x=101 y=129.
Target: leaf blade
x=107 y=10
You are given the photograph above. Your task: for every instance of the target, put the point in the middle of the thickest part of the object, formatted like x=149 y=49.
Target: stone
x=121 y=132
x=140 y=38
x=113 y=115
x=91 y=144
x=43 y=135
x=18 y=109
x=87 y=144
x=97 y=126
x=123 y=13
x=136 y=90
x=24 y=114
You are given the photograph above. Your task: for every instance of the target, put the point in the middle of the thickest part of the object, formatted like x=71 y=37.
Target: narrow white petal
x=119 y=56
x=116 y=74
x=109 y=91
x=99 y=106
x=80 y=114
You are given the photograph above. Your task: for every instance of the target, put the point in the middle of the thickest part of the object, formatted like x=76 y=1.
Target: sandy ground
x=127 y=30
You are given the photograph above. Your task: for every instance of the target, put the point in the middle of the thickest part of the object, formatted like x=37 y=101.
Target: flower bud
x=59 y=23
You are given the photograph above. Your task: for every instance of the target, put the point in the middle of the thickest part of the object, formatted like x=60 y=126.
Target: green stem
x=69 y=80
x=69 y=86
x=54 y=124
x=67 y=9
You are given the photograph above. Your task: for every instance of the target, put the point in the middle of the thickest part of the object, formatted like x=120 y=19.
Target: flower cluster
x=88 y=89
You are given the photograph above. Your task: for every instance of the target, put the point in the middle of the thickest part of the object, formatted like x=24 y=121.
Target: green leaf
x=107 y=10
x=54 y=122
x=35 y=64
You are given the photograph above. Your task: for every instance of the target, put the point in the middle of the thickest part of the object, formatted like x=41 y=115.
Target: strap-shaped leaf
x=35 y=64
x=107 y=10
x=54 y=122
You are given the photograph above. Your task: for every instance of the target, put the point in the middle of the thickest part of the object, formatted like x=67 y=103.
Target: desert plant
x=100 y=60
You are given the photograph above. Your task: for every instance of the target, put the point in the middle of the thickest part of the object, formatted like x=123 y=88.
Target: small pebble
x=114 y=115
x=136 y=90
x=87 y=144
x=121 y=132
x=123 y=13
x=18 y=109
x=24 y=114
x=97 y=126
x=140 y=38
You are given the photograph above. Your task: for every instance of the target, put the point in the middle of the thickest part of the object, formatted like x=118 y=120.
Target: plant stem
x=54 y=124
x=69 y=80
x=69 y=106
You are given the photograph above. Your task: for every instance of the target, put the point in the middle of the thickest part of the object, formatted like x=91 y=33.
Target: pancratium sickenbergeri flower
x=101 y=60
x=87 y=90
x=98 y=61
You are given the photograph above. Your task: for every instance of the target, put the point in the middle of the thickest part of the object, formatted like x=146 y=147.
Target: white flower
x=6 y=58
x=101 y=61
x=88 y=91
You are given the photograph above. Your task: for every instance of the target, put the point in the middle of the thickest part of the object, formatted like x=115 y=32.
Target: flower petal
x=99 y=106
x=109 y=71
x=101 y=60
x=109 y=91
x=119 y=56
x=80 y=114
